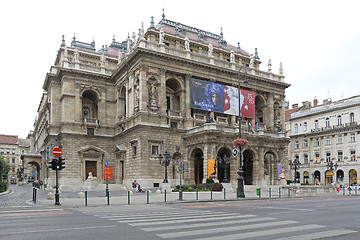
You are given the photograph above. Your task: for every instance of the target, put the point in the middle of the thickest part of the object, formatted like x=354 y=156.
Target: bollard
x=288 y=192
x=197 y=194
x=269 y=192
x=343 y=190
x=85 y=198
x=128 y=197
x=108 y=197
x=279 y=192
x=225 y=193
x=181 y=194
x=355 y=190
x=147 y=197
x=33 y=193
x=165 y=194
x=260 y=193
x=211 y=193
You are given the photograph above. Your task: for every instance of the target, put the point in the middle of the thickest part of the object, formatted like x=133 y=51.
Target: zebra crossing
x=171 y=223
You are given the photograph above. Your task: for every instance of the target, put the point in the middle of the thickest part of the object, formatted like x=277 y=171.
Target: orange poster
x=211 y=168
x=108 y=170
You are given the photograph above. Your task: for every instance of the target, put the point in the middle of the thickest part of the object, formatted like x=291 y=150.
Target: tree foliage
x=4 y=171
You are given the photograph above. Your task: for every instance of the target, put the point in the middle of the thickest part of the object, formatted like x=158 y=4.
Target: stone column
x=102 y=107
x=78 y=104
x=270 y=112
x=187 y=101
x=143 y=89
x=282 y=115
x=261 y=177
x=162 y=92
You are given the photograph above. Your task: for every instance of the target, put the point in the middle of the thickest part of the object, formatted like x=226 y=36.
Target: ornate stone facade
x=130 y=102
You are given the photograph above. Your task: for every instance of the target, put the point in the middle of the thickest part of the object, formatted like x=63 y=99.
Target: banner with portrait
x=215 y=97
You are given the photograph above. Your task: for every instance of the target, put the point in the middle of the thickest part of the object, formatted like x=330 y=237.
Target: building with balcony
x=129 y=102
x=325 y=139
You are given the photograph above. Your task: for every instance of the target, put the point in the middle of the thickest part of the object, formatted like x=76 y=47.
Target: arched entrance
x=317 y=178
x=340 y=177
x=306 y=178
x=33 y=171
x=297 y=177
x=328 y=177
x=223 y=163
x=198 y=157
x=269 y=170
x=352 y=177
x=248 y=167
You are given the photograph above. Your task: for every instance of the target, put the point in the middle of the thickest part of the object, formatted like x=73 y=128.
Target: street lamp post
x=295 y=165
x=224 y=163
x=331 y=167
x=240 y=172
x=165 y=161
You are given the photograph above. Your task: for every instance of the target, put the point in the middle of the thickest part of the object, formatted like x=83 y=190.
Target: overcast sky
x=317 y=42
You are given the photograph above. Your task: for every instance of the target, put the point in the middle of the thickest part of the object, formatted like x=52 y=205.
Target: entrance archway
x=352 y=177
x=198 y=157
x=34 y=171
x=317 y=178
x=306 y=178
x=340 y=177
x=223 y=163
x=328 y=177
x=248 y=167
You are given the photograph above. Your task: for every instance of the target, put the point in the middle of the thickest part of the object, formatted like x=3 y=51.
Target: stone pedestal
x=166 y=186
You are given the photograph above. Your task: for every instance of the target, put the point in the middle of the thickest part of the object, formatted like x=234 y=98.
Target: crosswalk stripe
x=265 y=232
x=167 y=217
x=208 y=224
x=224 y=229
x=318 y=235
x=162 y=213
x=192 y=219
x=33 y=210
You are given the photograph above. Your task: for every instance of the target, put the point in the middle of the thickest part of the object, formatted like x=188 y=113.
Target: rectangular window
x=7 y=151
x=90 y=132
x=317 y=158
x=2 y=150
x=339 y=139
x=296 y=145
x=13 y=151
x=328 y=157
x=306 y=159
x=13 y=161
x=155 y=150
x=327 y=141
x=340 y=156
x=134 y=150
x=352 y=155
x=305 y=143
x=352 y=137
x=305 y=126
x=316 y=142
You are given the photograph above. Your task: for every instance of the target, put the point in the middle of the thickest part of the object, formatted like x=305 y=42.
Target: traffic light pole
x=57 y=195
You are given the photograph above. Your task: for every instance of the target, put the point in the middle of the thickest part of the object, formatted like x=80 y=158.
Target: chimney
x=295 y=105
x=315 y=102
x=306 y=104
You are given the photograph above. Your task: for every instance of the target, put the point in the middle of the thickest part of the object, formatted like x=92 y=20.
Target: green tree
x=4 y=171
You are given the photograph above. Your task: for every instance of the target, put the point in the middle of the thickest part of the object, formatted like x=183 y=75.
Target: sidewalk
x=121 y=197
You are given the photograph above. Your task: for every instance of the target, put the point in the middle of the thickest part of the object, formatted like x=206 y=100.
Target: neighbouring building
x=324 y=138
x=11 y=147
x=132 y=100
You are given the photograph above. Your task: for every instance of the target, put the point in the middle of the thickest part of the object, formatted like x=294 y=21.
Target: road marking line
x=265 y=232
x=193 y=219
x=317 y=235
x=209 y=224
x=155 y=214
x=224 y=229
x=32 y=210
x=33 y=213
x=57 y=229
x=145 y=218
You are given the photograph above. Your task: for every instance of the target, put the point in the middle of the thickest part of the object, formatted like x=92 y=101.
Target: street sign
x=106 y=163
x=235 y=152
x=57 y=152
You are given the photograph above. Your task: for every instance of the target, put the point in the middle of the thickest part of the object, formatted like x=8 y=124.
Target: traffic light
x=61 y=163
x=52 y=164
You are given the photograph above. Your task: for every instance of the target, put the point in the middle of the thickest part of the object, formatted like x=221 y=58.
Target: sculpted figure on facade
x=187 y=44
x=252 y=61
x=161 y=37
x=232 y=56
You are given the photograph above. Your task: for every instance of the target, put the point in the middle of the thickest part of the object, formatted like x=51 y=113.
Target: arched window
x=352 y=118
x=296 y=128
x=339 y=120
x=316 y=124
x=122 y=102
x=89 y=105
x=305 y=126
x=327 y=122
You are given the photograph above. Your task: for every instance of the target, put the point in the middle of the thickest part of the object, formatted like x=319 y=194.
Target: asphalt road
x=295 y=218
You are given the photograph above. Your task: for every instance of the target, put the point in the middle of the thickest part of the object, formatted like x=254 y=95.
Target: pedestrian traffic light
x=61 y=163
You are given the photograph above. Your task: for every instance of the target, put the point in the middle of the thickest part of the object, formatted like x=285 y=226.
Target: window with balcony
x=327 y=122
x=296 y=128
x=328 y=157
x=339 y=139
x=352 y=155
x=327 y=141
x=339 y=120
x=352 y=117
x=305 y=126
x=352 y=137
x=305 y=143
x=90 y=107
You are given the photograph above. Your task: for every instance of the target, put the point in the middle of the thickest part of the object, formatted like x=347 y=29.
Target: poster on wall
x=211 y=168
x=215 y=97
